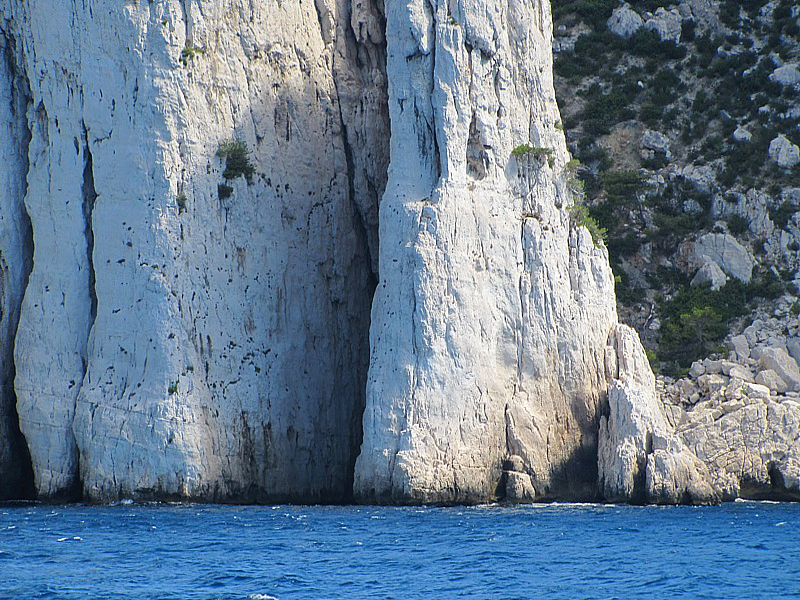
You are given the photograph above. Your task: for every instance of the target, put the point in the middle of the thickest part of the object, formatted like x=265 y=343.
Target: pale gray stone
x=697 y=369
x=793 y=348
x=741 y=346
x=172 y=343
x=778 y=360
x=666 y=23
x=519 y=487
x=747 y=449
x=787 y=74
x=451 y=392
x=653 y=140
x=740 y=372
x=710 y=273
x=723 y=249
x=742 y=135
x=783 y=152
x=624 y=21
x=639 y=456
x=771 y=380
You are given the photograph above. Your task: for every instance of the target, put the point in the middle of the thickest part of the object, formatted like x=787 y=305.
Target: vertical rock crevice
x=89 y=196
x=16 y=257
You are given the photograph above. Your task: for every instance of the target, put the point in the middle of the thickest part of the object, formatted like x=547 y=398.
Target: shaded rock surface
x=190 y=329
x=640 y=459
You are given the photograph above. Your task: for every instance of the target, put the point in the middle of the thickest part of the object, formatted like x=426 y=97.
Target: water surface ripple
x=741 y=550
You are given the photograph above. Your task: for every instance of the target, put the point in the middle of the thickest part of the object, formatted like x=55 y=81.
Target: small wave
x=261 y=597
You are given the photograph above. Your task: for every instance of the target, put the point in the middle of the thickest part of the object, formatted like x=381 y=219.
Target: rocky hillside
x=685 y=117
x=686 y=120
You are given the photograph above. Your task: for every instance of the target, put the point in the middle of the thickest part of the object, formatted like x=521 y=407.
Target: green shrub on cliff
x=237 y=160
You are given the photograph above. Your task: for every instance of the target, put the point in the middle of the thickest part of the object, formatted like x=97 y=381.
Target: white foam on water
x=261 y=597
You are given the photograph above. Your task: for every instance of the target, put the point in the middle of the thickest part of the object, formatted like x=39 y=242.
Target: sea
x=747 y=550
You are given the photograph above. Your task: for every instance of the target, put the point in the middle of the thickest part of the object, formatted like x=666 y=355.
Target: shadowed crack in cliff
x=16 y=469
x=89 y=197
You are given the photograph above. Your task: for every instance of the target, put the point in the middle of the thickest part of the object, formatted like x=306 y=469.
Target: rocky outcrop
x=727 y=253
x=739 y=415
x=640 y=459
x=783 y=152
x=492 y=312
x=624 y=21
x=199 y=203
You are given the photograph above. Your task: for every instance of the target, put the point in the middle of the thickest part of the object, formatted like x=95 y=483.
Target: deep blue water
x=741 y=550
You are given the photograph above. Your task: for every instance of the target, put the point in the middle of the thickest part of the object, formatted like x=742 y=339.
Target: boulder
x=696 y=369
x=519 y=487
x=702 y=177
x=658 y=142
x=787 y=74
x=624 y=21
x=712 y=383
x=741 y=373
x=729 y=254
x=783 y=152
x=667 y=24
x=793 y=348
x=771 y=380
x=640 y=459
x=740 y=346
x=712 y=274
x=742 y=135
x=674 y=475
x=778 y=360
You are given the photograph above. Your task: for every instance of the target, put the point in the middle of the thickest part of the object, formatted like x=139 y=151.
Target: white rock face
x=783 y=152
x=624 y=21
x=640 y=459
x=178 y=339
x=749 y=443
x=185 y=327
x=492 y=314
x=726 y=252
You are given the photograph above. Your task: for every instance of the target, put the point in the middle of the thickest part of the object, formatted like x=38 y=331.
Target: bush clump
x=580 y=217
x=224 y=191
x=237 y=160
x=189 y=52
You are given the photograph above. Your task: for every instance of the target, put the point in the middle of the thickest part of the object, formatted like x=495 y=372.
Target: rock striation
x=317 y=251
x=192 y=327
x=493 y=311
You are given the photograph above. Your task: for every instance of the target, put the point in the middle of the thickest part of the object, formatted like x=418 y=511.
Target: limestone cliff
x=307 y=251
x=188 y=329
x=492 y=313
